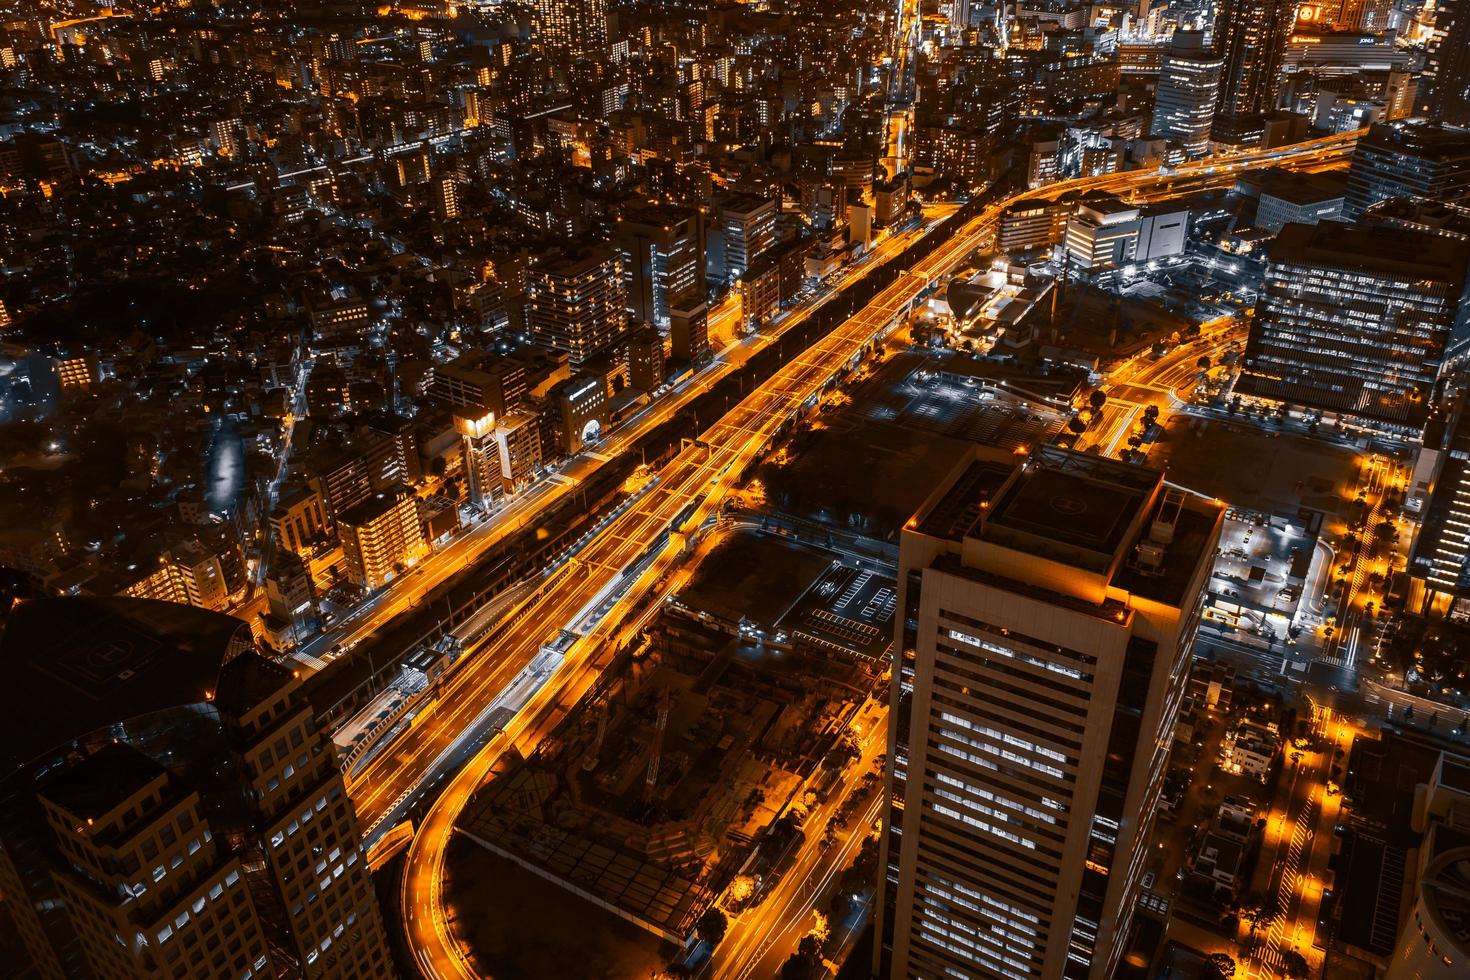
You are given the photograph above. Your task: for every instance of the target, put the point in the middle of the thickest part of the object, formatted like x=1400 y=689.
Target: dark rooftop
x=1081 y=506
x=101 y=781
x=1378 y=249
x=74 y=665
x=963 y=503
x=247 y=680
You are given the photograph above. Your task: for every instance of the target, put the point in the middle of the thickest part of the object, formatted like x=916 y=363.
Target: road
x=762 y=937
x=1296 y=850
x=407 y=591
x=698 y=477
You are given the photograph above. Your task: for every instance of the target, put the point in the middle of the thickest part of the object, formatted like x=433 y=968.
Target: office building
x=1427 y=163
x=479 y=380
x=1047 y=611
x=745 y=230
x=380 y=537
x=1434 y=943
x=1285 y=197
x=1357 y=321
x=187 y=818
x=663 y=255
x=577 y=302
x=298 y=521
x=1189 y=86
x=1250 y=38
x=569 y=28
x=1106 y=232
x=1444 y=86
x=689 y=328
x=481 y=454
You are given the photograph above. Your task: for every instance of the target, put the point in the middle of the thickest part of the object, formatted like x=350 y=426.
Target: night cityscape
x=735 y=490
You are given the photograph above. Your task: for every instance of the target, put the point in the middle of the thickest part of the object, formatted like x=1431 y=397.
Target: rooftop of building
x=1294 y=187
x=101 y=780
x=77 y=664
x=366 y=511
x=1083 y=511
x=1070 y=506
x=246 y=681
x=1381 y=250
x=1422 y=139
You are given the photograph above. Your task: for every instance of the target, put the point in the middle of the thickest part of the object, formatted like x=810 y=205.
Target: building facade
x=1357 y=320
x=577 y=303
x=1047 y=611
x=1189 y=88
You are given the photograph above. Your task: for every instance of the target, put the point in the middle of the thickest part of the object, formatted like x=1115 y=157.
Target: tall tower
x=1250 y=37
x=1189 y=85
x=1445 y=86
x=1048 y=612
x=308 y=856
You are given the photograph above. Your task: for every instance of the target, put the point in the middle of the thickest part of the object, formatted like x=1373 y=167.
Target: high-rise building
x=746 y=231
x=1357 y=320
x=1047 y=612
x=380 y=535
x=689 y=328
x=1189 y=87
x=1426 y=163
x=577 y=303
x=1444 y=87
x=569 y=28
x=1250 y=37
x=186 y=818
x=663 y=255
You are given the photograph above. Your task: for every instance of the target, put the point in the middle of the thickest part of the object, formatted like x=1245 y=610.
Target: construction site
x=692 y=759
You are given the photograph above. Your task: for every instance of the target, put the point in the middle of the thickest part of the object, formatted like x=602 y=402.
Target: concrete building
x=1434 y=943
x=689 y=329
x=186 y=818
x=1444 y=89
x=298 y=521
x=663 y=256
x=1250 y=37
x=1106 y=232
x=1046 y=614
x=380 y=536
x=1357 y=320
x=478 y=380
x=577 y=302
x=1189 y=86
x=1426 y=163
x=746 y=230
x=1285 y=197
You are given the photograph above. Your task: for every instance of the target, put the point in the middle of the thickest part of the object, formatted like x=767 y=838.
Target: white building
x=1043 y=649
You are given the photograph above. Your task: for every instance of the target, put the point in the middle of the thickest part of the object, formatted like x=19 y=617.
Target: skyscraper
x=171 y=808
x=1250 y=37
x=1357 y=320
x=577 y=302
x=1189 y=87
x=1047 y=614
x=1444 y=89
x=663 y=255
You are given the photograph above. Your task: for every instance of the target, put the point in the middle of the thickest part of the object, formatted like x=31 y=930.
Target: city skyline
x=734 y=490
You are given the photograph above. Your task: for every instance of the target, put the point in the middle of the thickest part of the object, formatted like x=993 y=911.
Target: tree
x=1386 y=531
x=1076 y=425
x=1219 y=966
x=1097 y=399
x=712 y=926
x=1295 y=965
x=806 y=962
x=1203 y=363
